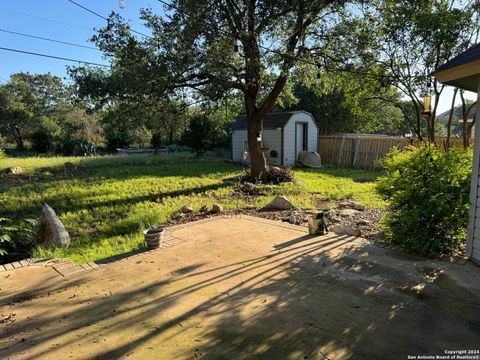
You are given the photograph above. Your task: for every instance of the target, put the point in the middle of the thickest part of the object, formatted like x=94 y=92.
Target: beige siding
x=273 y=140
x=289 y=136
x=238 y=138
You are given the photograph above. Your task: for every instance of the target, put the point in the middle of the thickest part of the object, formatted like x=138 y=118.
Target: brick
x=86 y=266
x=17 y=264
x=8 y=266
x=24 y=262
x=71 y=270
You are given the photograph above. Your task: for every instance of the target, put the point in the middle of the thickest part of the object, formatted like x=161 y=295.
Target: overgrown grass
x=106 y=202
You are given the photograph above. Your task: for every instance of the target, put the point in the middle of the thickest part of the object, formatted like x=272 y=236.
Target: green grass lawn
x=106 y=202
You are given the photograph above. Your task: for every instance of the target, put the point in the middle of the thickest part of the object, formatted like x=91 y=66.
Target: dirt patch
x=366 y=220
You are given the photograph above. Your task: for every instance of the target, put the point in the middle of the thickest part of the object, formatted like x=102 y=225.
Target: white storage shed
x=286 y=134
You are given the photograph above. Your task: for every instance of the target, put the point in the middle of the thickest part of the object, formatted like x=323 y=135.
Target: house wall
x=473 y=240
x=290 y=157
x=271 y=139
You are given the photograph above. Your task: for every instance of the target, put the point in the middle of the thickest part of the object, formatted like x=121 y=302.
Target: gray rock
x=347 y=212
x=343 y=229
x=186 y=209
x=204 y=209
x=363 y=222
x=14 y=170
x=51 y=230
x=359 y=207
x=216 y=208
x=351 y=205
x=279 y=203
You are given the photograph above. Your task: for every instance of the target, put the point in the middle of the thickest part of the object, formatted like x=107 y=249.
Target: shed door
x=301 y=135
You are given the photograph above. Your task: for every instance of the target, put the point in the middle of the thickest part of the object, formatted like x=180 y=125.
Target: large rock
x=186 y=209
x=348 y=212
x=14 y=170
x=310 y=158
x=279 y=203
x=204 y=209
x=52 y=232
x=342 y=229
x=351 y=205
x=216 y=208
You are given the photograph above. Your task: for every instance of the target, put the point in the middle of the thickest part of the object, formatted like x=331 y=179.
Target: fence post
x=355 y=155
x=340 y=152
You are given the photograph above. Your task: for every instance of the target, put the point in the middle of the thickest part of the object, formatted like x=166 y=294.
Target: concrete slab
x=241 y=289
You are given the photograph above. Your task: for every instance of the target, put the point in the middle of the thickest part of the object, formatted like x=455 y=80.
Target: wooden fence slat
x=366 y=151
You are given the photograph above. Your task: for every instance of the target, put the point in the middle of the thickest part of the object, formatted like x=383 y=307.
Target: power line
x=87 y=9
x=53 y=57
x=45 y=19
x=103 y=17
x=48 y=39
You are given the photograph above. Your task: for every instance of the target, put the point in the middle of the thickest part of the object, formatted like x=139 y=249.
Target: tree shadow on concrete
x=316 y=298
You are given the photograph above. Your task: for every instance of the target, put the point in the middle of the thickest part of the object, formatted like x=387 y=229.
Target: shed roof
x=462 y=71
x=274 y=120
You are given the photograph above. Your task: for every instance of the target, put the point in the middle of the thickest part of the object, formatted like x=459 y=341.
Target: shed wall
x=290 y=158
x=271 y=139
x=238 y=138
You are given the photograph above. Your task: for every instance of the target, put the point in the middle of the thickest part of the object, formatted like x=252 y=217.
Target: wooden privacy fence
x=364 y=151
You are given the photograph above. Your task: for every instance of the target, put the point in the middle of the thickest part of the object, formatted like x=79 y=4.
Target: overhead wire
x=45 y=19
x=104 y=17
x=53 y=57
x=48 y=39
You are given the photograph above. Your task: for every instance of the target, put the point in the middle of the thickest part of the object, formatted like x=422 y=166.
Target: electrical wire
x=45 y=19
x=105 y=18
x=87 y=9
x=48 y=39
x=53 y=57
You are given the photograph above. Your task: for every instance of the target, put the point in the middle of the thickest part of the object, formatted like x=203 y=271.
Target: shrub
x=174 y=148
x=428 y=192
x=16 y=236
x=2 y=154
x=199 y=134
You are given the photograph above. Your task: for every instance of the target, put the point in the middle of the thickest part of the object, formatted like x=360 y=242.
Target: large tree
x=24 y=100
x=250 y=46
x=414 y=38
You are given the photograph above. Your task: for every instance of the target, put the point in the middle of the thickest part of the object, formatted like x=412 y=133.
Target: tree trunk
x=18 y=138
x=258 y=162
x=450 y=117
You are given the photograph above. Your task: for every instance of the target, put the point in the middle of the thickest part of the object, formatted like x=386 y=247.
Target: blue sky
x=72 y=24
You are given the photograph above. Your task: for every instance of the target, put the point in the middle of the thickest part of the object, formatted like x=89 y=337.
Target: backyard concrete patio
x=243 y=288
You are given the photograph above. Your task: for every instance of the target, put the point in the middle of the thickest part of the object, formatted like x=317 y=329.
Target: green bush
x=428 y=192
x=2 y=154
x=16 y=236
x=47 y=138
x=199 y=134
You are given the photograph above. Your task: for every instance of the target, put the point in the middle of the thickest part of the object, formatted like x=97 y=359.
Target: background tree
x=25 y=100
x=195 y=47
x=415 y=37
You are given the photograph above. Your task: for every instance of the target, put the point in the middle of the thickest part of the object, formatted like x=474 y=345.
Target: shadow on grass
x=294 y=303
